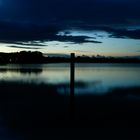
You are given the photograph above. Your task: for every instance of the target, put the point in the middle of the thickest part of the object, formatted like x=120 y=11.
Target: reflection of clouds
x=90 y=78
x=22 y=71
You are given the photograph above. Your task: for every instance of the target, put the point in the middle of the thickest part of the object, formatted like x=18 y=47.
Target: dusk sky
x=89 y=27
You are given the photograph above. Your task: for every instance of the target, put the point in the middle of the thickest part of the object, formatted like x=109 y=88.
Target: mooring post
x=72 y=86
x=72 y=75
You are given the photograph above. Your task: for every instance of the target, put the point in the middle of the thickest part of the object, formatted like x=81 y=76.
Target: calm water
x=90 y=78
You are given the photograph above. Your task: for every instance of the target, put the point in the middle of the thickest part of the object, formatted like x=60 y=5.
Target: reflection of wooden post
x=72 y=86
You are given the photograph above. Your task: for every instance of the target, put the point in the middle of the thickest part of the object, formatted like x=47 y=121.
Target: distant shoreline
x=38 y=58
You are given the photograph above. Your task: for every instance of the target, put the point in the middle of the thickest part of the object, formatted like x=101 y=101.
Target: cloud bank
x=23 y=21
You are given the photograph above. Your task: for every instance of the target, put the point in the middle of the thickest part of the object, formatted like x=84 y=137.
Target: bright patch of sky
x=109 y=46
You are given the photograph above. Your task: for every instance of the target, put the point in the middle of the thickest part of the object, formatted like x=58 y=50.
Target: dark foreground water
x=35 y=102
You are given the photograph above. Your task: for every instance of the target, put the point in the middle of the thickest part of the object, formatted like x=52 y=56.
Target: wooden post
x=72 y=87
x=72 y=75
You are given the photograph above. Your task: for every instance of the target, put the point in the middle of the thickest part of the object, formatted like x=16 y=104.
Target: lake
x=32 y=104
x=89 y=78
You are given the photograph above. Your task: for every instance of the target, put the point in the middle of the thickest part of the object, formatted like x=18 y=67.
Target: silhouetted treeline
x=22 y=57
x=38 y=57
x=103 y=59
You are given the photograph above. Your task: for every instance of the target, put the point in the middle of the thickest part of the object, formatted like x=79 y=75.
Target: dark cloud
x=63 y=11
x=124 y=33
x=22 y=47
x=22 y=21
x=133 y=34
x=76 y=39
x=31 y=43
x=117 y=32
x=35 y=35
x=15 y=32
x=27 y=43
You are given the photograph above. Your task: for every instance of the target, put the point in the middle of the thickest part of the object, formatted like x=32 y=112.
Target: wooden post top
x=72 y=54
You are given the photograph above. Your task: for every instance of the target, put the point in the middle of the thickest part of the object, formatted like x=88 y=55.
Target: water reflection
x=33 y=104
x=52 y=74
x=22 y=71
x=90 y=78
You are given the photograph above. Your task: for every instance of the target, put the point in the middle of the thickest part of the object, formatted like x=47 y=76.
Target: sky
x=85 y=27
